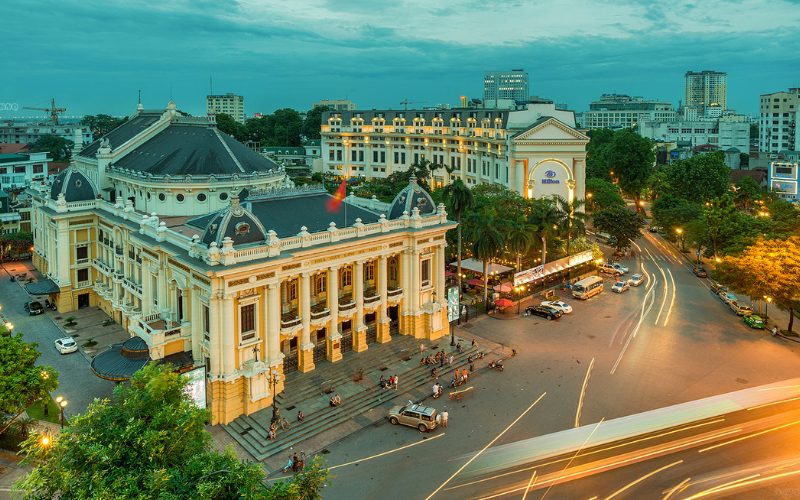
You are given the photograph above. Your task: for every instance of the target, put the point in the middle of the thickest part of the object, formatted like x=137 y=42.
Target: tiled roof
x=124 y=132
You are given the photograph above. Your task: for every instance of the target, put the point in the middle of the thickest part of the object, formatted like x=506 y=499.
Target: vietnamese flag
x=338 y=197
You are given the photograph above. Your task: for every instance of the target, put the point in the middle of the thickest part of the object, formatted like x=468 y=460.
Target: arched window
x=346 y=277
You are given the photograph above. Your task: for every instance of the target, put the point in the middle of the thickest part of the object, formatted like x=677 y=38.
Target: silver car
x=414 y=415
x=636 y=280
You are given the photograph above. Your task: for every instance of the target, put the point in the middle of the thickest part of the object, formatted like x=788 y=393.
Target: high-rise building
x=777 y=122
x=230 y=104
x=505 y=85
x=706 y=88
x=619 y=110
x=336 y=104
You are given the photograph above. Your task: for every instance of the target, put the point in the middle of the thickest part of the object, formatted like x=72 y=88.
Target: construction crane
x=53 y=110
x=405 y=102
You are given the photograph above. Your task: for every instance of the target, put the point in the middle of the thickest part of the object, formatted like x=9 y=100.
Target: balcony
x=131 y=286
x=101 y=266
x=103 y=290
x=371 y=296
x=320 y=312
x=346 y=303
x=393 y=295
x=291 y=322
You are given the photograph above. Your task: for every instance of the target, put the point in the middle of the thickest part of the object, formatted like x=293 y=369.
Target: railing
x=395 y=292
x=344 y=306
x=82 y=261
x=84 y=284
x=291 y=322
x=132 y=286
x=320 y=313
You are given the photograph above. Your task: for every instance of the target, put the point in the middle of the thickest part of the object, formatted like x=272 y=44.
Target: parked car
x=754 y=321
x=716 y=288
x=66 y=345
x=620 y=286
x=34 y=307
x=609 y=269
x=414 y=415
x=740 y=309
x=636 y=280
x=546 y=312
x=654 y=229
x=619 y=267
x=727 y=297
x=558 y=305
x=700 y=272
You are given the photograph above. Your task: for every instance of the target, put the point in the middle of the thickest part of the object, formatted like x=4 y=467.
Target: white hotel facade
x=535 y=150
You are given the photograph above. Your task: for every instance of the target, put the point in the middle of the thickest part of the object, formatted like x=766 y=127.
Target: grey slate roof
x=286 y=215
x=236 y=223
x=74 y=185
x=409 y=197
x=194 y=149
x=124 y=132
x=427 y=114
x=120 y=361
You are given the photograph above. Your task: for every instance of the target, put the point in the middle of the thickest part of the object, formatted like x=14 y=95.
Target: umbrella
x=448 y=273
x=504 y=288
x=501 y=303
x=475 y=282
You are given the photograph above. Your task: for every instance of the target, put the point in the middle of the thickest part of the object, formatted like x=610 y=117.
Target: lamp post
x=62 y=403
x=519 y=289
x=679 y=232
x=766 y=306
x=274 y=378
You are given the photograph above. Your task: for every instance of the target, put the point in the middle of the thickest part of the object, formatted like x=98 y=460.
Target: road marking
x=583 y=393
x=490 y=443
x=676 y=488
x=672 y=301
x=637 y=481
x=749 y=436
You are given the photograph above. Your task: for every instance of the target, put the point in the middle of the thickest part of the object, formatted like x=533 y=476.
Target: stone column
x=334 y=340
x=360 y=339
x=383 y=315
x=272 y=315
x=437 y=273
x=229 y=336
x=196 y=326
x=519 y=170
x=215 y=333
x=306 y=348
x=64 y=252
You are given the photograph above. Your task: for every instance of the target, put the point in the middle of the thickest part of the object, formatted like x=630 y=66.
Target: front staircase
x=310 y=392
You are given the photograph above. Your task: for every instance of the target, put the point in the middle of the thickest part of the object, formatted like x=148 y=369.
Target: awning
x=477 y=266
x=42 y=287
x=119 y=362
x=181 y=361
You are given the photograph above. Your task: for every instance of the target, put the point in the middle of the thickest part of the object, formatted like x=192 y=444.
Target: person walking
x=421 y=348
x=396 y=382
x=295 y=463
x=450 y=360
x=445 y=416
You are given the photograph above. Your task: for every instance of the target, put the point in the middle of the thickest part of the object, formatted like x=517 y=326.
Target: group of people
x=440 y=358
x=295 y=463
x=335 y=400
x=438 y=389
x=460 y=377
x=389 y=383
x=278 y=421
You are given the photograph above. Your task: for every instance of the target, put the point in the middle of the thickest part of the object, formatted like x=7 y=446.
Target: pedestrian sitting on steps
x=284 y=424
x=301 y=416
x=335 y=401
x=273 y=431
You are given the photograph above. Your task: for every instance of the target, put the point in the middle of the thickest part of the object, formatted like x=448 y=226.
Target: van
x=740 y=309
x=414 y=415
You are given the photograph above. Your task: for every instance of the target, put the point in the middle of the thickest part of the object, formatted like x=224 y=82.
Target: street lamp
x=766 y=306
x=62 y=403
x=519 y=289
x=274 y=378
x=45 y=441
x=679 y=232
x=9 y=326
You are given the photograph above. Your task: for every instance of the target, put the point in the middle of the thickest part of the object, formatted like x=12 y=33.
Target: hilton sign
x=549 y=178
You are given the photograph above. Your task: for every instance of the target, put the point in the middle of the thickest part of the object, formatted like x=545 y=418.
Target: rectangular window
x=375 y=156
x=396 y=157
x=38 y=168
x=403 y=158
x=247 y=316
x=338 y=155
x=360 y=155
x=353 y=155
x=425 y=269
x=331 y=155
x=82 y=253
x=383 y=157
x=369 y=271
x=19 y=169
x=206 y=323
x=83 y=275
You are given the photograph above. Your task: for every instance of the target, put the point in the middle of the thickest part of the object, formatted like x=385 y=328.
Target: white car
x=636 y=280
x=619 y=267
x=559 y=305
x=620 y=286
x=66 y=345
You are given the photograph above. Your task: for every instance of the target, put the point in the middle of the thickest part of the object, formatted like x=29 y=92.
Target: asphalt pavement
x=77 y=383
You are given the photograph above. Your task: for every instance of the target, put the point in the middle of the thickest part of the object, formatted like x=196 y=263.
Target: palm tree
x=545 y=216
x=460 y=198
x=519 y=235
x=487 y=242
x=572 y=219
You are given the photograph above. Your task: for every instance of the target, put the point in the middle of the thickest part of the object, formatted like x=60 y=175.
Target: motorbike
x=497 y=365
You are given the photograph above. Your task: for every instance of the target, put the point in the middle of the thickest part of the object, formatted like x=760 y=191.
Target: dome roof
x=74 y=185
x=411 y=196
x=235 y=222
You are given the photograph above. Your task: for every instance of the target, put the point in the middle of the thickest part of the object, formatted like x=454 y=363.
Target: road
x=668 y=341
x=77 y=383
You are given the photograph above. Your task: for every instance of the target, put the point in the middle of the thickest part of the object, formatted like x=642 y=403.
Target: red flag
x=338 y=197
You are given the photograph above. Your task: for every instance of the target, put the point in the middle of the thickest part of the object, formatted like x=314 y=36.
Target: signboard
x=453 y=306
x=787 y=187
x=528 y=275
x=549 y=177
x=540 y=272
x=196 y=385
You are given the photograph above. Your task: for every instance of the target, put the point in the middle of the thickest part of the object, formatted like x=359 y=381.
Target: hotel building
x=535 y=150
x=208 y=256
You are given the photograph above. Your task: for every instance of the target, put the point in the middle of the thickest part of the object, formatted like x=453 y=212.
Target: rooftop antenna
x=170 y=91
x=139 y=103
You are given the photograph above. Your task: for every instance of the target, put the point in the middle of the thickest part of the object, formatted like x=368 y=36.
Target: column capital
x=307 y=274
x=334 y=268
x=273 y=284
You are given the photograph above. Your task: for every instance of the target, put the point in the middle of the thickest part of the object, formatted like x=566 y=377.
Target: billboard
x=539 y=272
x=196 y=385
x=453 y=306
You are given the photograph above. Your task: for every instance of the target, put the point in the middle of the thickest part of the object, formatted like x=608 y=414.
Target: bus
x=588 y=287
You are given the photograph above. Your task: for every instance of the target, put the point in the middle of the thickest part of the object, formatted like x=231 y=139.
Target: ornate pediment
x=550 y=129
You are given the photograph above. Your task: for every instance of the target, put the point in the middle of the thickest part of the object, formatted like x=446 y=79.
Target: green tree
x=487 y=242
x=519 y=235
x=767 y=268
x=603 y=193
x=15 y=244
x=545 y=216
x=285 y=126
x=102 y=124
x=22 y=381
x=149 y=441
x=460 y=200
x=620 y=223
x=597 y=163
x=658 y=184
x=631 y=158
x=671 y=212
x=313 y=122
x=57 y=147
x=700 y=177
x=747 y=192
x=571 y=218
x=226 y=123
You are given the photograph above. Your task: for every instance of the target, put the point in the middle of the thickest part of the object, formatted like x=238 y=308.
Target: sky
x=94 y=57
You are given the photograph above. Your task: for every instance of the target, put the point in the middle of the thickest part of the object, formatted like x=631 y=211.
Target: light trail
x=676 y=488
x=575 y=455
x=672 y=301
x=666 y=291
x=583 y=394
x=639 y=480
x=773 y=403
x=635 y=330
x=490 y=443
x=530 y=483
x=742 y=484
x=760 y=433
x=593 y=452
x=729 y=483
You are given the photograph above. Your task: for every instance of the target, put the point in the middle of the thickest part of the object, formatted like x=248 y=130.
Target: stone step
x=325 y=418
